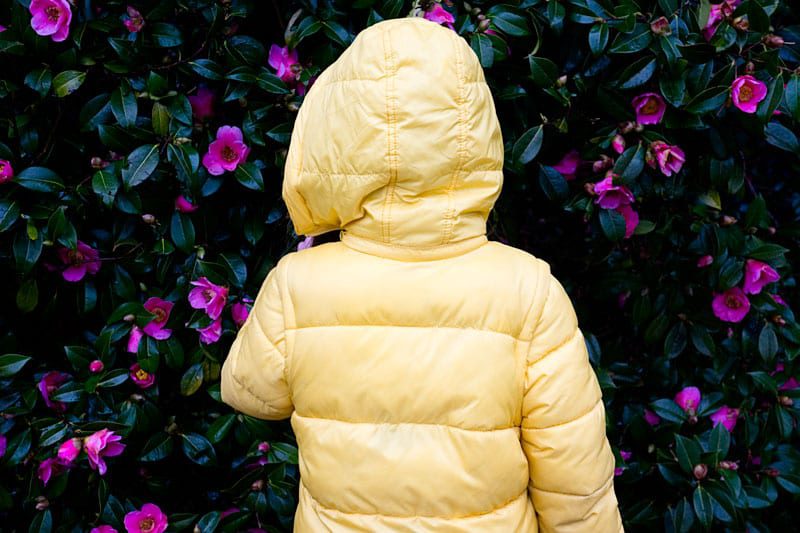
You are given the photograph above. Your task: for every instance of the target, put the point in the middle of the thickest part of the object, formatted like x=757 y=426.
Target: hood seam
x=391 y=137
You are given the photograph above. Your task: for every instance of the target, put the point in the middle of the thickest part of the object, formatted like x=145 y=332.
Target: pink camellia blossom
x=670 y=157
x=69 y=450
x=651 y=418
x=263 y=446
x=790 y=384
x=103 y=529
x=133 y=21
x=726 y=416
x=6 y=171
x=440 y=15
x=208 y=296
x=619 y=470
x=48 y=468
x=688 y=399
x=618 y=143
x=779 y=300
x=747 y=92
x=705 y=261
x=626 y=455
x=610 y=196
x=569 y=164
x=96 y=366
x=308 y=242
x=49 y=383
x=141 y=377
x=202 y=104
x=82 y=260
x=2 y=28
x=631 y=218
x=149 y=519
x=228 y=511
x=183 y=205
x=101 y=444
x=3 y=445
x=226 y=152
x=282 y=60
x=649 y=107
x=757 y=274
x=715 y=16
x=51 y=17
x=135 y=338
x=211 y=333
x=240 y=311
x=161 y=309
x=731 y=305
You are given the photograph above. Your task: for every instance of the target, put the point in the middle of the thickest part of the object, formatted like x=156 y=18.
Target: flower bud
x=257 y=485
x=700 y=471
x=772 y=472
x=148 y=218
x=294 y=107
x=561 y=81
x=728 y=221
x=741 y=23
x=602 y=164
x=484 y=25
x=785 y=401
x=778 y=319
x=728 y=465
x=98 y=163
x=481 y=17
x=771 y=230
x=129 y=317
x=96 y=366
x=749 y=67
x=773 y=41
x=42 y=503
x=263 y=447
x=660 y=26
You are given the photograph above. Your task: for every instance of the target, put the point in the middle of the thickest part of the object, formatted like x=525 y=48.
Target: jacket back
x=435 y=380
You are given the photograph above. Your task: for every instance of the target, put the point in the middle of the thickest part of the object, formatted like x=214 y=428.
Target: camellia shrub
x=651 y=158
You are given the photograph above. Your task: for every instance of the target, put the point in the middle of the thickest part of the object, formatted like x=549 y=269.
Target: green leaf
x=207 y=68
x=9 y=213
x=105 y=184
x=26 y=251
x=40 y=80
x=192 y=379
x=67 y=82
x=160 y=119
x=710 y=99
x=249 y=175
x=631 y=163
x=124 y=106
x=598 y=38
x=113 y=378
x=198 y=449
x=482 y=46
x=767 y=343
x=528 y=145
x=702 y=506
x=236 y=268
x=637 y=73
x=11 y=364
x=142 y=162
x=676 y=340
x=613 y=224
x=165 y=35
x=543 y=71
x=158 y=447
x=791 y=96
x=719 y=442
x=782 y=137
x=42 y=522
x=553 y=184
x=636 y=41
x=182 y=232
x=668 y=410
x=270 y=83
x=509 y=20
x=220 y=428
x=688 y=453
x=40 y=179
x=28 y=296
x=774 y=96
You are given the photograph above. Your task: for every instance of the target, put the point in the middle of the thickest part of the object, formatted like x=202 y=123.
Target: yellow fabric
x=435 y=380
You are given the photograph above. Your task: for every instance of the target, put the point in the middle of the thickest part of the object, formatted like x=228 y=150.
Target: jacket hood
x=397 y=142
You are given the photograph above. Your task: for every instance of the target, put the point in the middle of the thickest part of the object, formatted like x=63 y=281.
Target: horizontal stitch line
x=603 y=487
x=382 y=78
x=264 y=403
x=568 y=421
x=439 y=517
x=366 y=422
x=559 y=346
x=426 y=326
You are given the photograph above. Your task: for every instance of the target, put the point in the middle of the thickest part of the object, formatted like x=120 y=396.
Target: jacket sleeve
x=254 y=373
x=563 y=432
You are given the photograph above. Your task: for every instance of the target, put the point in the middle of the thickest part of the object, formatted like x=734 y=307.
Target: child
x=436 y=381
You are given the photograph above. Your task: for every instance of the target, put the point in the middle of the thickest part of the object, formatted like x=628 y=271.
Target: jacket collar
x=410 y=253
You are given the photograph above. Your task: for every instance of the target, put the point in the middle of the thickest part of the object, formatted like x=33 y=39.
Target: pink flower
x=49 y=383
x=610 y=196
x=202 y=104
x=141 y=377
x=626 y=455
x=51 y=17
x=649 y=108
x=228 y=511
x=184 y=206
x=651 y=418
x=103 y=443
x=136 y=337
x=789 y=384
x=96 y=366
x=618 y=143
x=134 y=20
x=282 y=60
x=779 y=300
x=715 y=16
x=688 y=399
x=103 y=529
x=240 y=311
x=619 y=470
x=726 y=416
x=670 y=157
x=308 y=242
x=2 y=28
x=226 y=152
x=149 y=519
x=3 y=445
x=6 y=171
x=84 y=259
x=439 y=15
x=631 y=218
x=211 y=333
x=208 y=296
x=569 y=164
x=757 y=274
x=48 y=468
x=747 y=92
x=69 y=450
x=705 y=261
x=263 y=446
x=731 y=305
x=161 y=309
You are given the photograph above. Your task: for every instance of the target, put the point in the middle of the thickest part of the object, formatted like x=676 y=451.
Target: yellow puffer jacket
x=436 y=381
